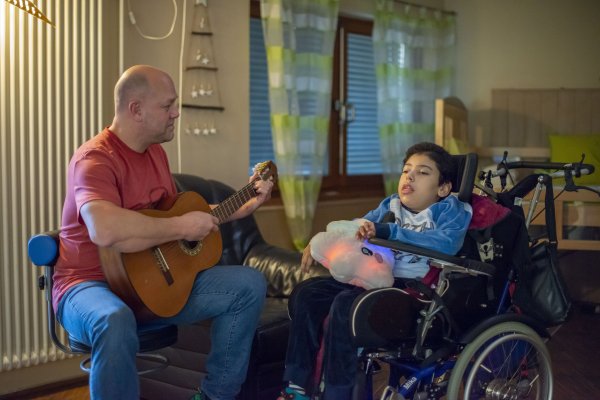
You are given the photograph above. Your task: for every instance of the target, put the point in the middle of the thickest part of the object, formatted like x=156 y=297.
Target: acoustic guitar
x=158 y=281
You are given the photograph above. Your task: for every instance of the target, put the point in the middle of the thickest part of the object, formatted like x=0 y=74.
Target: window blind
x=261 y=144
x=363 y=153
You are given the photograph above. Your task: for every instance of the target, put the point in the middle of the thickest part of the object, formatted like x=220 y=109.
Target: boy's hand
x=307 y=260
x=366 y=231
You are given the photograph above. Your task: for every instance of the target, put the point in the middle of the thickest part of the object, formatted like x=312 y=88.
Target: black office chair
x=43 y=251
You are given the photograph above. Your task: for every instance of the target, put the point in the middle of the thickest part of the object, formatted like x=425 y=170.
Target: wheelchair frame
x=430 y=374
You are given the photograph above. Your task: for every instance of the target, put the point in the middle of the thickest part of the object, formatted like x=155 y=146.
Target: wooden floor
x=575 y=349
x=575 y=352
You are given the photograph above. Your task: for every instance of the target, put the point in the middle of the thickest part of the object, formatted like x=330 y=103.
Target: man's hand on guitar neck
x=262 y=189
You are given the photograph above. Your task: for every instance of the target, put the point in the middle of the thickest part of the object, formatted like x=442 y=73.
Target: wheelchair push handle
x=576 y=169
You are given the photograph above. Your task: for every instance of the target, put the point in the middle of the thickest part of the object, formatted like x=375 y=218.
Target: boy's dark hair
x=443 y=159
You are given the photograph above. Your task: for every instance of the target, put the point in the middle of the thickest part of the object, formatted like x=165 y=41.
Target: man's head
x=426 y=176
x=146 y=104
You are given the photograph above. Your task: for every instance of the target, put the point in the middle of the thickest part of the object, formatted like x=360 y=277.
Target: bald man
x=120 y=170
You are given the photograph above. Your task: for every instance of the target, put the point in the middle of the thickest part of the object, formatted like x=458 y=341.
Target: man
x=121 y=170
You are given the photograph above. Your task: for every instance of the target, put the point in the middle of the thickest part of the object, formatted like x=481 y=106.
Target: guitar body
x=157 y=282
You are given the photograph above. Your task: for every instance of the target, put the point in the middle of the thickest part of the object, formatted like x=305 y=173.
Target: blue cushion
x=43 y=249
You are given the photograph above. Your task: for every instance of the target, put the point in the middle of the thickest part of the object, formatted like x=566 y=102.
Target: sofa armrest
x=281 y=267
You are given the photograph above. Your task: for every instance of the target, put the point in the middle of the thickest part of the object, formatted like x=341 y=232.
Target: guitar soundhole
x=191 y=248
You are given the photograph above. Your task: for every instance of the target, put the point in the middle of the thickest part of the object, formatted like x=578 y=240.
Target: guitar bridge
x=163 y=265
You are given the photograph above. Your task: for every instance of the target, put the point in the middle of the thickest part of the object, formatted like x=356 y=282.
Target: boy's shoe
x=199 y=395
x=290 y=394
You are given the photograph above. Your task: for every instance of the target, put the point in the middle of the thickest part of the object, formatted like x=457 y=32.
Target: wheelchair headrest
x=464 y=177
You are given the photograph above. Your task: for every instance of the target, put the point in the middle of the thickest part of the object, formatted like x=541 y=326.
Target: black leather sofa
x=242 y=244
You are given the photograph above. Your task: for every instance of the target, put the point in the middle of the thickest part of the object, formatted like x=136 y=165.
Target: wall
x=224 y=156
x=523 y=44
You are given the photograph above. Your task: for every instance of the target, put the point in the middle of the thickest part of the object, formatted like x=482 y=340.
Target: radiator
x=50 y=102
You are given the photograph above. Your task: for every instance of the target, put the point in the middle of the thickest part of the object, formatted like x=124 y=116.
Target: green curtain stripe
x=280 y=54
x=295 y=183
x=405 y=129
x=283 y=55
x=321 y=61
x=390 y=183
x=286 y=122
x=429 y=22
x=318 y=124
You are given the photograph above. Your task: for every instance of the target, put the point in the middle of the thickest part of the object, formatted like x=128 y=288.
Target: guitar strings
x=234 y=202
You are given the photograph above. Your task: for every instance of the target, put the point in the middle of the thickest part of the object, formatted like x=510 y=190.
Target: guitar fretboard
x=233 y=202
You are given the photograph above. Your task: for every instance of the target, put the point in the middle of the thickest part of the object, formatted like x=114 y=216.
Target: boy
x=426 y=216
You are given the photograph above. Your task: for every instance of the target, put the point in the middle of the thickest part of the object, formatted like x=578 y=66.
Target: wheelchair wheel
x=506 y=361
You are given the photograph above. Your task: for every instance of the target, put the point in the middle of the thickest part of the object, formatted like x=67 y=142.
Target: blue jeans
x=232 y=296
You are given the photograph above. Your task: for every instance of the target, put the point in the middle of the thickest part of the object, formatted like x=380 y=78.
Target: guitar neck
x=233 y=203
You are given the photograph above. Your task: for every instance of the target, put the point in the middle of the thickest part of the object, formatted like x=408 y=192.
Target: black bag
x=541 y=292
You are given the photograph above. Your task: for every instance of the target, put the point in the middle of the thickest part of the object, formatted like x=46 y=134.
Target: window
x=353 y=149
x=261 y=145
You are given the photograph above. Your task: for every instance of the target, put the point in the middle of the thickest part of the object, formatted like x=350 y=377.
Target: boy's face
x=418 y=187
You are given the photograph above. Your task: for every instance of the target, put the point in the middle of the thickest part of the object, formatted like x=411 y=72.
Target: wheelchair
x=468 y=339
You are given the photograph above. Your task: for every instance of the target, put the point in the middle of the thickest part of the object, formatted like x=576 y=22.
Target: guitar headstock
x=266 y=170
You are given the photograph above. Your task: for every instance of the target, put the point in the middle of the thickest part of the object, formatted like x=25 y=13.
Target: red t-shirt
x=104 y=168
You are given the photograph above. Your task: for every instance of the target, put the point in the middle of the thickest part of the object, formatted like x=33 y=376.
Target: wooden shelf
x=214 y=108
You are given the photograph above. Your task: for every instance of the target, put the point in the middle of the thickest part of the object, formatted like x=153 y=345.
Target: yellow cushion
x=568 y=148
x=458 y=146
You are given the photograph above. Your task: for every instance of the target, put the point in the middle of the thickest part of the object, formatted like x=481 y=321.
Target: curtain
x=414 y=62
x=299 y=38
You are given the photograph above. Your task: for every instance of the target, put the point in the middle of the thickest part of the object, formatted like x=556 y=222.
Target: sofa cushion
x=281 y=268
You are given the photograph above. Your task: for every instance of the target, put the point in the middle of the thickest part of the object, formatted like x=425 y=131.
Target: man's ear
x=444 y=189
x=135 y=109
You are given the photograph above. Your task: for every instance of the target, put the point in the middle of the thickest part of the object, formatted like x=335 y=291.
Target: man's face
x=419 y=186
x=160 y=110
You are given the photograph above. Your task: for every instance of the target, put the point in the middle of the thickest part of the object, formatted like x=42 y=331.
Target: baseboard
x=47 y=389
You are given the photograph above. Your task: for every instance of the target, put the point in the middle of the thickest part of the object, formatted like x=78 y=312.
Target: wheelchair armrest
x=438 y=259
x=43 y=248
